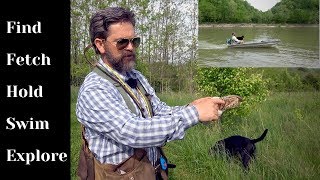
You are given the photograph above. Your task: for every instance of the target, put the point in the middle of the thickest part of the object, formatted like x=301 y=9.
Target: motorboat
x=261 y=44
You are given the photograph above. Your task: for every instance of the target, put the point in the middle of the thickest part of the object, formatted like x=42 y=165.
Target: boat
x=261 y=44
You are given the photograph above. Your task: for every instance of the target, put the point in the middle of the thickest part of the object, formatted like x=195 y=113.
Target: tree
x=235 y=11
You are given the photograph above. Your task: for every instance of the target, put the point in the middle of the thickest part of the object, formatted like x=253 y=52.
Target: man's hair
x=101 y=20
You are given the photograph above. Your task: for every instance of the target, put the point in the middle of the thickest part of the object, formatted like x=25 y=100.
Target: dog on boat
x=239 y=147
x=240 y=38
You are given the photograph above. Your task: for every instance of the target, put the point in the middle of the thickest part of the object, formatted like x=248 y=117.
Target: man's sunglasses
x=122 y=43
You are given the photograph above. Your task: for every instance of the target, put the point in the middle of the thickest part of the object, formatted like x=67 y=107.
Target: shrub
x=237 y=81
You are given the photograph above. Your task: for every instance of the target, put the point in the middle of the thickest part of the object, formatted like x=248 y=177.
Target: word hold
x=15 y=91
x=16 y=27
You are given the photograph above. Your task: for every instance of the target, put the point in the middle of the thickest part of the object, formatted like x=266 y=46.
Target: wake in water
x=207 y=45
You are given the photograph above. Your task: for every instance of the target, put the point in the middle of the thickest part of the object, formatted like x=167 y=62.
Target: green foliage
x=78 y=73
x=208 y=12
x=142 y=67
x=226 y=11
x=239 y=11
x=312 y=80
x=286 y=81
x=237 y=81
x=171 y=77
x=291 y=79
x=296 y=11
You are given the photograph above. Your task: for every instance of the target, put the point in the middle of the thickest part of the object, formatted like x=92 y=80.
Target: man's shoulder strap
x=101 y=73
x=118 y=86
x=121 y=89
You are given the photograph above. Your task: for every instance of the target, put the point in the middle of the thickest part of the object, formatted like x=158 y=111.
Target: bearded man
x=126 y=127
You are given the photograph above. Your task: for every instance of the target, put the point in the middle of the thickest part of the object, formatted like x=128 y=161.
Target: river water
x=298 y=47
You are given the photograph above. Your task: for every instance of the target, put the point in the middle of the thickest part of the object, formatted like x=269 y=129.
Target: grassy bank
x=290 y=150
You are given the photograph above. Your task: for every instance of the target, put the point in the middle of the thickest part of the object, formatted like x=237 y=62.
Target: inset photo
x=256 y=33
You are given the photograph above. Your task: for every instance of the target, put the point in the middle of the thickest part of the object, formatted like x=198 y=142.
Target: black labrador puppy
x=237 y=146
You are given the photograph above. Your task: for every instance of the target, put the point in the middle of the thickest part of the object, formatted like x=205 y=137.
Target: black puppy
x=238 y=146
x=240 y=38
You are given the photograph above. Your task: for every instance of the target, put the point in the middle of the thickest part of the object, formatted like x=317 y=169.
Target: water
x=298 y=47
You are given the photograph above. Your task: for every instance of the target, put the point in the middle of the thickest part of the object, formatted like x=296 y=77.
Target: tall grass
x=289 y=151
x=75 y=141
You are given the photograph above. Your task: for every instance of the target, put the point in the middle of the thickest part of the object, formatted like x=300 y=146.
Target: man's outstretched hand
x=208 y=107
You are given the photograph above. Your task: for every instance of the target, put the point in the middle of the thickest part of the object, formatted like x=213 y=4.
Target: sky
x=263 y=5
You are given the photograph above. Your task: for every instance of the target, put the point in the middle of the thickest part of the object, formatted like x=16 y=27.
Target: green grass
x=289 y=151
x=75 y=135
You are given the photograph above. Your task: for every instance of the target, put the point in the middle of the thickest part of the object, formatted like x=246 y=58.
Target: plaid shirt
x=113 y=131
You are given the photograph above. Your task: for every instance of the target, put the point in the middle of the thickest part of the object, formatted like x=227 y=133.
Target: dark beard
x=125 y=63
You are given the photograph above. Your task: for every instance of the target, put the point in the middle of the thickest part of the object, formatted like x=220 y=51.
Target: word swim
x=29 y=124
x=14 y=156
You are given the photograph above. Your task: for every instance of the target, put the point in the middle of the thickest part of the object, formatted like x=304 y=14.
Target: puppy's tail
x=261 y=137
